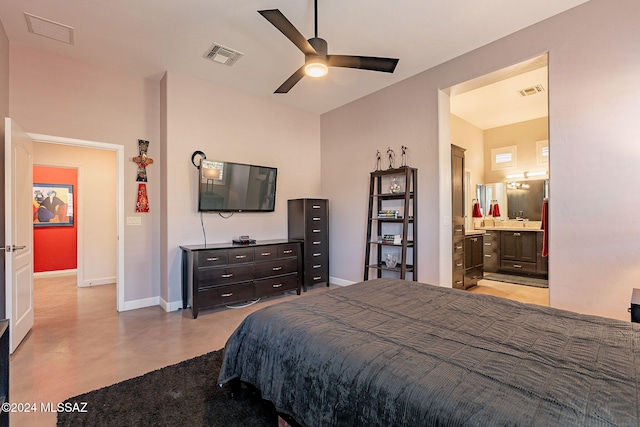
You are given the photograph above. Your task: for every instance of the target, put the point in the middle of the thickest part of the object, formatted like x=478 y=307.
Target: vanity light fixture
x=535 y=173
x=515 y=175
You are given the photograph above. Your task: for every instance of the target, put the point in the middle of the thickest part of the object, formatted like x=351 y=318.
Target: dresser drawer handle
x=277 y=268
x=317 y=277
x=488 y=244
x=317 y=254
x=459 y=264
x=241 y=256
x=516 y=234
x=215 y=258
x=459 y=247
x=316 y=218
x=226 y=276
x=265 y=253
x=474 y=239
x=517 y=266
x=458 y=230
x=317 y=266
x=287 y=251
x=316 y=230
x=316 y=206
x=317 y=242
x=279 y=285
x=488 y=234
x=487 y=256
x=230 y=294
x=459 y=282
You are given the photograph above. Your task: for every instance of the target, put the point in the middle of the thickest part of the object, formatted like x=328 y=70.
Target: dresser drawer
x=265 y=253
x=240 y=255
x=525 y=267
x=288 y=251
x=223 y=295
x=212 y=258
x=276 y=268
x=276 y=284
x=217 y=276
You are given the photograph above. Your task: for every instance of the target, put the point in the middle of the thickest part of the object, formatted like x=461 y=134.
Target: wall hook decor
x=200 y=155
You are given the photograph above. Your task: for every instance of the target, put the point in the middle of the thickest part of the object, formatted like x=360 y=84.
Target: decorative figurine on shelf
x=403 y=158
x=392 y=157
x=394 y=187
x=142 y=160
x=378 y=161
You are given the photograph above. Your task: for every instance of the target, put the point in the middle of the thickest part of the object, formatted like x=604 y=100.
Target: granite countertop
x=510 y=229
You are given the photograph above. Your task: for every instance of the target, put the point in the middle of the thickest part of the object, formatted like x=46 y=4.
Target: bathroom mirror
x=524 y=199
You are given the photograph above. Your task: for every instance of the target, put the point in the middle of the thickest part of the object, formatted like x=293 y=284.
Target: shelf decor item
x=394 y=187
x=391 y=260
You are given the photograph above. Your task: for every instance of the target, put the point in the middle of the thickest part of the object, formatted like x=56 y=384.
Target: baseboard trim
x=340 y=282
x=141 y=303
x=170 y=306
x=56 y=273
x=97 y=282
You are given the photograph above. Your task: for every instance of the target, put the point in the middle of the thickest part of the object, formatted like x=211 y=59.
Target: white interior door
x=18 y=232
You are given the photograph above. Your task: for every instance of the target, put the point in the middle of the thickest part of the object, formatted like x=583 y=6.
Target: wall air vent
x=51 y=29
x=222 y=55
x=531 y=90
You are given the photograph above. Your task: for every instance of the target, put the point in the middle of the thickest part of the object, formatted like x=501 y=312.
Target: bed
x=393 y=352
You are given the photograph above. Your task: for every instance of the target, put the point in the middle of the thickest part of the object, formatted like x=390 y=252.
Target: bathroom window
x=542 y=152
x=504 y=158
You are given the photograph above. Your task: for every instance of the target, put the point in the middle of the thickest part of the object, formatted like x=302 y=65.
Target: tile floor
x=80 y=343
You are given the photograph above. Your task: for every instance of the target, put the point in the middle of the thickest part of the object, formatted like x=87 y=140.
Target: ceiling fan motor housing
x=320 y=45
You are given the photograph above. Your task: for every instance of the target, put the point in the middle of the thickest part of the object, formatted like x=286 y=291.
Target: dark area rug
x=518 y=280
x=185 y=394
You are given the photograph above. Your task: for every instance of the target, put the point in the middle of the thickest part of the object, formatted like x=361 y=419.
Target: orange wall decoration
x=55 y=248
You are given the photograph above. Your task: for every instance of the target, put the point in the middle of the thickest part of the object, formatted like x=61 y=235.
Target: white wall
x=57 y=96
x=96 y=210
x=594 y=63
x=231 y=126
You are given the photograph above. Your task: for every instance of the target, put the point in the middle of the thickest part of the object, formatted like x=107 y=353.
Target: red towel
x=477 y=212
x=545 y=227
x=490 y=209
x=496 y=210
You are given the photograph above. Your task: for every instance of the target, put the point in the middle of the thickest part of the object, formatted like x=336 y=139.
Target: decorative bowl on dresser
x=222 y=274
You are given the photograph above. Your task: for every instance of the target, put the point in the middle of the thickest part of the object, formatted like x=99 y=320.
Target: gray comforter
x=390 y=352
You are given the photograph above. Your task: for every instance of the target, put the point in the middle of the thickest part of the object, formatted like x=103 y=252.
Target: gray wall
x=594 y=64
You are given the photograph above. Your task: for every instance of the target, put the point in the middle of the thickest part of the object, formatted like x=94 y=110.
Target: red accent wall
x=55 y=248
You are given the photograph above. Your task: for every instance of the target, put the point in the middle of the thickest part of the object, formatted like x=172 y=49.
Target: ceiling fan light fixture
x=316 y=68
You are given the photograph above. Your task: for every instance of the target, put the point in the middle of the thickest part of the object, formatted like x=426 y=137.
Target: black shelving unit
x=390 y=211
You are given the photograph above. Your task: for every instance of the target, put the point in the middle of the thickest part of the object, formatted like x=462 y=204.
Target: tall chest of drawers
x=223 y=274
x=308 y=220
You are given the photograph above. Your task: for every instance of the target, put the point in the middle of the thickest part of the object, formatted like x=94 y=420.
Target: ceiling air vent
x=222 y=55
x=531 y=90
x=47 y=28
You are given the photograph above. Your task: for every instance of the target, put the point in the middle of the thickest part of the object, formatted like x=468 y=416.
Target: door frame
x=119 y=151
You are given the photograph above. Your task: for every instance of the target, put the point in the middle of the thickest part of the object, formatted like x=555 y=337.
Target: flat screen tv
x=236 y=187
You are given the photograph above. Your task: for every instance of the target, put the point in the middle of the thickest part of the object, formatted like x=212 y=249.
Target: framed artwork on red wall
x=52 y=205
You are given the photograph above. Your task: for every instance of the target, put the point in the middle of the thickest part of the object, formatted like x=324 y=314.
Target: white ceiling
x=148 y=37
x=500 y=103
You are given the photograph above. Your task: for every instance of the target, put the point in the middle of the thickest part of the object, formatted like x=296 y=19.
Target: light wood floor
x=80 y=343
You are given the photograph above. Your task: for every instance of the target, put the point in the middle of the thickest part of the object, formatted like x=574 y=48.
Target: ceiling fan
x=317 y=60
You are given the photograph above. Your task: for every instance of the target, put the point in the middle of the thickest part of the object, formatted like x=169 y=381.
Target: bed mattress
x=394 y=352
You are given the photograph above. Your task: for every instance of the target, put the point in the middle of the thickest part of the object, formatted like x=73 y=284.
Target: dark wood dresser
x=308 y=220
x=222 y=274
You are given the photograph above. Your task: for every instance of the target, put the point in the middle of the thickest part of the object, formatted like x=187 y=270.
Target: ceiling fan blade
x=386 y=65
x=291 y=81
x=286 y=27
